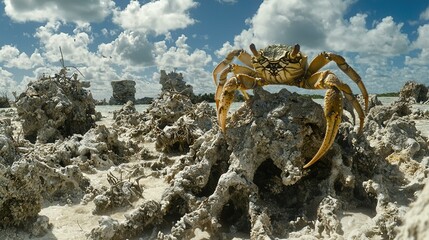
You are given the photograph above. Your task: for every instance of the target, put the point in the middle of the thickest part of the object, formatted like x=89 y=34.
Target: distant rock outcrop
x=123 y=91
x=414 y=92
x=174 y=82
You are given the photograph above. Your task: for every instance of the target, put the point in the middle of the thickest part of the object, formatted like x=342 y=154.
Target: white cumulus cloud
x=320 y=25
x=157 y=17
x=13 y=58
x=65 y=10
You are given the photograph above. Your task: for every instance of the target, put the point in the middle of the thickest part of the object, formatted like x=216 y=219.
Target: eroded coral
x=8 y=148
x=416 y=220
x=250 y=180
x=24 y=185
x=414 y=92
x=123 y=91
x=122 y=192
x=55 y=108
x=183 y=132
x=173 y=82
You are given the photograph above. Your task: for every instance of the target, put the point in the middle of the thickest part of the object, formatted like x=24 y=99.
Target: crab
x=281 y=64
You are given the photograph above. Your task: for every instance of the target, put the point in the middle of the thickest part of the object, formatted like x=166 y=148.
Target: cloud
x=73 y=45
x=157 y=17
x=384 y=38
x=425 y=14
x=129 y=48
x=6 y=83
x=191 y=63
x=179 y=56
x=50 y=10
x=13 y=58
x=320 y=26
x=421 y=43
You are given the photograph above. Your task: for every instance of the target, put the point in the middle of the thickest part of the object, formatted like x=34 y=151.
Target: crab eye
x=295 y=51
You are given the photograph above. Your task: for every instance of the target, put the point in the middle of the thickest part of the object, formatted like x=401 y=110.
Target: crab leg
x=324 y=58
x=236 y=69
x=242 y=55
x=225 y=95
x=333 y=112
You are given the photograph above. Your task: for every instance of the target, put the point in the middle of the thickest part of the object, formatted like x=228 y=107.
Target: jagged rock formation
x=123 y=91
x=415 y=225
x=53 y=172
x=25 y=182
x=250 y=180
x=8 y=150
x=55 y=108
x=414 y=92
x=4 y=102
x=172 y=121
x=174 y=82
x=180 y=135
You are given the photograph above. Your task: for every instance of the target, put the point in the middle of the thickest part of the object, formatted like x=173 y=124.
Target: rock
x=27 y=182
x=249 y=180
x=123 y=91
x=140 y=220
x=122 y=192
x=163 y=111
x=4 y=102
x=389 y=131
x=173 y=82
x=41 y=226
x=416 y=221
x=55 y=108
x=8 y=148
x=179 y=136
x=414 y=92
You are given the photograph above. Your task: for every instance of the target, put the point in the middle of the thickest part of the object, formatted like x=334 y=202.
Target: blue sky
x=386 y=41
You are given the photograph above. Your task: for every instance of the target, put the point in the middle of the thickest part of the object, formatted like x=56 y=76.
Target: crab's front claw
x=224 y=99
x=333 y=112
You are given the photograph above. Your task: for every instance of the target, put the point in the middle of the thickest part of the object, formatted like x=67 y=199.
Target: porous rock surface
x=250 y=180
x=55 y=108
x=31 y=174
x=172 y=121
x=174 y=82
x=26 y=181
x=414 y=92
x=247 y=182
x=123 y=91
x=416 y=223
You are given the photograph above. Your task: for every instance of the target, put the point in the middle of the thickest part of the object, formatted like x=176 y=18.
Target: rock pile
x=174 y=82
x=53 y=108
x=251 y=180
x=248 y=181
x=172 y=121
x=414 y=92
x=123 y=91
x=26 y=180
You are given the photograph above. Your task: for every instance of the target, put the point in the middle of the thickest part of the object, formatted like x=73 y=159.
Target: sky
x=383 y=40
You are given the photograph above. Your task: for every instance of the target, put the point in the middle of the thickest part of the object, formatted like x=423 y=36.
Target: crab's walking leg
x=238 y=82
x=333 y=112
x=324 y=58
x=242 y=55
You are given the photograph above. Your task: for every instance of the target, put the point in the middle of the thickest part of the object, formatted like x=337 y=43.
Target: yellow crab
x=281 y=64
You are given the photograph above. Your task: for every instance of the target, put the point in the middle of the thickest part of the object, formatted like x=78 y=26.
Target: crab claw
x=333 y=112
x=224 y=99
